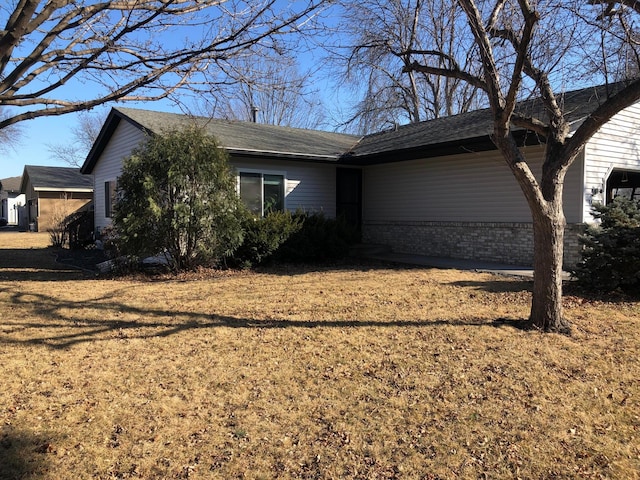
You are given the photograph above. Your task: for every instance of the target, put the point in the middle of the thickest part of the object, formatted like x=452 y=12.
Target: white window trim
x=618 y=166
x=112 y=202
x=263 y=172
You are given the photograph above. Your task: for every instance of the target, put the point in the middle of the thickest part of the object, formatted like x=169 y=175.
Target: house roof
x=469 y=131
x=443 y=136
x=55 y=179
x=238 y=138
x=10 y=184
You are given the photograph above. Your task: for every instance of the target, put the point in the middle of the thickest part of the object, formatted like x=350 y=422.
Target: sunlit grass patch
x=347 y=372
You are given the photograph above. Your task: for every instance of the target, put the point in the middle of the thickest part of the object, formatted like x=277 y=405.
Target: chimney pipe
x=254 y=113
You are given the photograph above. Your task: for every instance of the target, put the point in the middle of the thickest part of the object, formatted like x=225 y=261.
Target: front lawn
x=367 y=372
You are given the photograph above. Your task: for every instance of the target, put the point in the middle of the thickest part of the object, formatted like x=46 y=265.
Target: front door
x=349 y=195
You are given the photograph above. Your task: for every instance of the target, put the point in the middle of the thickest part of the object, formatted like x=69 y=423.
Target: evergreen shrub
x=611 y=254
x=263 y=237
x=320 y=239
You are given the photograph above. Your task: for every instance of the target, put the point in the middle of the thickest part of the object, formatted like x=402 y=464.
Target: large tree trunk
x=546 y=306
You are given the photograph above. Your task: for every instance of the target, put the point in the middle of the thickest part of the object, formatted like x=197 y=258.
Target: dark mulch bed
x=84 y=258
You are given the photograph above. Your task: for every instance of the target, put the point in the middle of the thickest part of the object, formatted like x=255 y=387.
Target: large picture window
x=261 y=192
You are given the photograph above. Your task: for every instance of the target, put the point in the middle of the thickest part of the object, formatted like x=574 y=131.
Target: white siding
x=109 y=166
x=473 y=187
x=309 y=186
x=13 y=204
x=616 y=145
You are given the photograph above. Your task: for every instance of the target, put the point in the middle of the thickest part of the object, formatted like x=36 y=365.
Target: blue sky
x=32 y=148
x=37 y=135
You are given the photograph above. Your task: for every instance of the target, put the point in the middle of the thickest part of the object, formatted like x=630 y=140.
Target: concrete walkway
x=455 y=263
x=458 y=264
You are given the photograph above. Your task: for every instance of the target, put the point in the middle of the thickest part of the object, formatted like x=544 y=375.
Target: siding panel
x=616 y=145
x=109 y=166
x=462 y=188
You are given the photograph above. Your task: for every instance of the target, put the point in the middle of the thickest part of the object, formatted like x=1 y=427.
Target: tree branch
x=116 y=46
x=453 y=72
x=491 y=76
x=622 y=99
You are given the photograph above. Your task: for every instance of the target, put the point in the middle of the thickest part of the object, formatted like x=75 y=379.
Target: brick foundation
x=510 y=243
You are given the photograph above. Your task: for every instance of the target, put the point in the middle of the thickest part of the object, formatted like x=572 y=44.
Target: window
x=109 y=198
x=261 y=192
x=623 y=183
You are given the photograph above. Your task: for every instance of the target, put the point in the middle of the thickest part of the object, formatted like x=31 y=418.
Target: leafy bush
x=178 y=199
x=263 y=236
x=110 y=242
x=611 y=255
x=320 y=239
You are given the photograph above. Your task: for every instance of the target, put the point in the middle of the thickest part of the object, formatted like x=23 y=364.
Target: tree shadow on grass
x=60 y=324
x=497 y=286
x=24 y=455
x=570 y=289
x=37 y=264
x=352 y=264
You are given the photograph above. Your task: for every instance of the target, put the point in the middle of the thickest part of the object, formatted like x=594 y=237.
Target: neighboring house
x=52 y=193
x=434 y=188
x=12 y=202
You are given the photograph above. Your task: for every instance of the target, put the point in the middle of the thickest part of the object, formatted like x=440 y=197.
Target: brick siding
x=510 y=243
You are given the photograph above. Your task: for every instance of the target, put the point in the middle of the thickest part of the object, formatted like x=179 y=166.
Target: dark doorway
x=349 y=195
x=623 y=183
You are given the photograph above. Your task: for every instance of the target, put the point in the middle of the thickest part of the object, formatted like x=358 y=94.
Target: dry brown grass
x=365 y=372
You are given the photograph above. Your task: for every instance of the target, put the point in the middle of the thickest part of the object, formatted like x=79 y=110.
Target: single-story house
x=436 y=188
x=12 y=201
x=52 y=193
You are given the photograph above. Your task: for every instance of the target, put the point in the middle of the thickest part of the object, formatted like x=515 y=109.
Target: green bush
x=177 y=198
x=320 y=239
x=611 y=254
x=263 y=236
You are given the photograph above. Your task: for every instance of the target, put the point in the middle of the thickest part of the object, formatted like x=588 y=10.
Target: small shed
x=53 y=193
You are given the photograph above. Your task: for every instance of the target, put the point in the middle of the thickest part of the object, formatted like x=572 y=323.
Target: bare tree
x=381 y=34
x=10 y=136
x=127 y=49
x=83 y=135
x=526 y=49
x=269 y=90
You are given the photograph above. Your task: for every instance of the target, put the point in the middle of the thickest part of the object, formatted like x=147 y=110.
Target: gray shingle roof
x=56 y=178
x=248 y=137
x=419 y=135
x=11 y=184
x=443 y=136
x=460 y=130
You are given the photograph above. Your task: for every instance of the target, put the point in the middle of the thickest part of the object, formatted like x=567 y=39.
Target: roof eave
x=24 y=181
x=63 y=189
x=110 y=125
x=238 y=152
x=470 y=145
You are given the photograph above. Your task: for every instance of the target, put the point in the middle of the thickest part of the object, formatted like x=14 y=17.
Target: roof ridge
x=520 y=103
x=236 y=121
